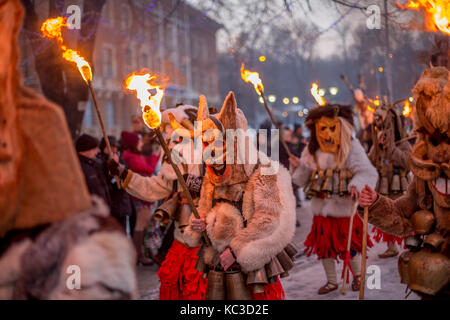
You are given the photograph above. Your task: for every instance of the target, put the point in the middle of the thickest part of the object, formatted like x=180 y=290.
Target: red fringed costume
x=379 y=236
x=328 y=237
x=178 y=277
x=273 y=291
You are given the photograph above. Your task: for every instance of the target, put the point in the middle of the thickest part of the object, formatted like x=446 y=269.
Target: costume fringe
x=272 y=291
x=178 y=277
x=328 y=237
x=379 y=236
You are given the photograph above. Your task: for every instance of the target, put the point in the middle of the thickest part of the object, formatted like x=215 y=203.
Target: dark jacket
x=95 y=178
x=121 y=201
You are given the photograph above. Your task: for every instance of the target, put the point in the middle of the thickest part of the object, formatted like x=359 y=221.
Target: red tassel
x=272 y=291
x=381 y=236
x=328 y=237
x=178 y=277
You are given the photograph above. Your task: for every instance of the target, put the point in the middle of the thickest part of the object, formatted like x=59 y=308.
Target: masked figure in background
x=178 y=277
x=55 y=242
x=247 y=209
x=425 y=208
x=390 y=156
x=332 y=170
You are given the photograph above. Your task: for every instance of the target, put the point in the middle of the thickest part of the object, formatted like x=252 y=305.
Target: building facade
x=170 y=38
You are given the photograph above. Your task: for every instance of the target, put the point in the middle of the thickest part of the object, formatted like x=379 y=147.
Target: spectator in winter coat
x=87 y=149
x=122 y=205
x=144 y=165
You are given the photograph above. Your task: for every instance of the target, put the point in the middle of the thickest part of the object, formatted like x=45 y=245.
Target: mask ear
x=228 y=112
x=203 y=111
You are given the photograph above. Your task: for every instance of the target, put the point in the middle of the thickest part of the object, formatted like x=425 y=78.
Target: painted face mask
x=328 y=133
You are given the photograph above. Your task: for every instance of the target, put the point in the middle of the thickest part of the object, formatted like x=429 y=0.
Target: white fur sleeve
x=361 y=167
x=301 y=176
x=148 y=188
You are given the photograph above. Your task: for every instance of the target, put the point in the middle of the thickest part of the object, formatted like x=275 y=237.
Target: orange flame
x=140 y=84
x=315 y=92
x=407 y=109
x=437 y=13
x=253 y=78
x=52 y=29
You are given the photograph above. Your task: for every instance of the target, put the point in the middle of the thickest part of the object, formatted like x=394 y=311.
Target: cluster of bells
x=424 y=268
x=235 y=285
x=172 y=209
x=399 y=183
x=328 y=182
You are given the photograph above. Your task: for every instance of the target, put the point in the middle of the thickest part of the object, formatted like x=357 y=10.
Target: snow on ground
x=308 y=276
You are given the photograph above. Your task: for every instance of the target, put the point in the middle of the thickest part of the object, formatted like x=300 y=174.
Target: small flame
x=437 y=13
x=52 y=29
x=253 y=78
x=315 y=92
x=370 y=108
x=407 y=109
x=150 y=104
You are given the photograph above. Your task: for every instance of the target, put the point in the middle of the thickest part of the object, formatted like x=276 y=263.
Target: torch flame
x=407 y=109
x=315 y=92
x=52 y=29
x=437 y=13
x=253 y=78
x=140 y=83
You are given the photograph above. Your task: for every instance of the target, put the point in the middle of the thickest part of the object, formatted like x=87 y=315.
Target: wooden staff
x=261 y=92
x=364 y=254
x=100 y=119
x=183 y=184
x=349 y=243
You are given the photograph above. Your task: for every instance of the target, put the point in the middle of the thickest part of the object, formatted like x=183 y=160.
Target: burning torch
x=255 y=80
x=52 y=29
x=150 y=103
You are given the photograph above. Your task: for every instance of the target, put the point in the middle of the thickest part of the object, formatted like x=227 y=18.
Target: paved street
x=308 y=275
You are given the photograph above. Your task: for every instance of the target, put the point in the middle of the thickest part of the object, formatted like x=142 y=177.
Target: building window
x=108 y=62
x=88 y=118
x=110 y=113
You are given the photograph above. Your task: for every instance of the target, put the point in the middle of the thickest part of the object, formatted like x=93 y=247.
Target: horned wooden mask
x=328 y=134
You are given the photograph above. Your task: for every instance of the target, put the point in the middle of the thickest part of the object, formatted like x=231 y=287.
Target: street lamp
x=295 y=100
x=321 y=92
x=272 y=98
x=334 y=91
x=286 y=100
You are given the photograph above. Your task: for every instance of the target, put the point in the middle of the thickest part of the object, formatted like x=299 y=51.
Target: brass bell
x=434 y=240
x=413 y=242
x=215 y=289
x=395 y=184
x=274 y=268
x=285 y=261
x=343 y=186
x=200 y=265
x=167 y=210
x=236 y=287
x=429 y=272
x=284 y=274
x=384 y=186
x=327 y=186
x=403 y=266
x=291 y=250
x=317 y=185
x=183 y=216
x=336 y=182
x=307 y=189
x=403 y=181
x=257 y=279
x=422 y=221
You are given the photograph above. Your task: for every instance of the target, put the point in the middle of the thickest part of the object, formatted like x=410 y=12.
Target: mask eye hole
x=433 y=141
x=323 y=128
x=333 y=128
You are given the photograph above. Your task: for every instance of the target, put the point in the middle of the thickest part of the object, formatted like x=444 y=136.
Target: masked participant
x=390 y=156
x=178 y=277
x=55 y=241
x=247 y=210
x=333 y=169
x=425 y=208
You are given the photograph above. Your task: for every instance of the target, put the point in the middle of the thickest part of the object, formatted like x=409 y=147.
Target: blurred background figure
x=87 y=149
x=122 y=207
x=132 y=144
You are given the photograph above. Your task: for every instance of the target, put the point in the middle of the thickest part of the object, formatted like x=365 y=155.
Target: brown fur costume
x=429 y=162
